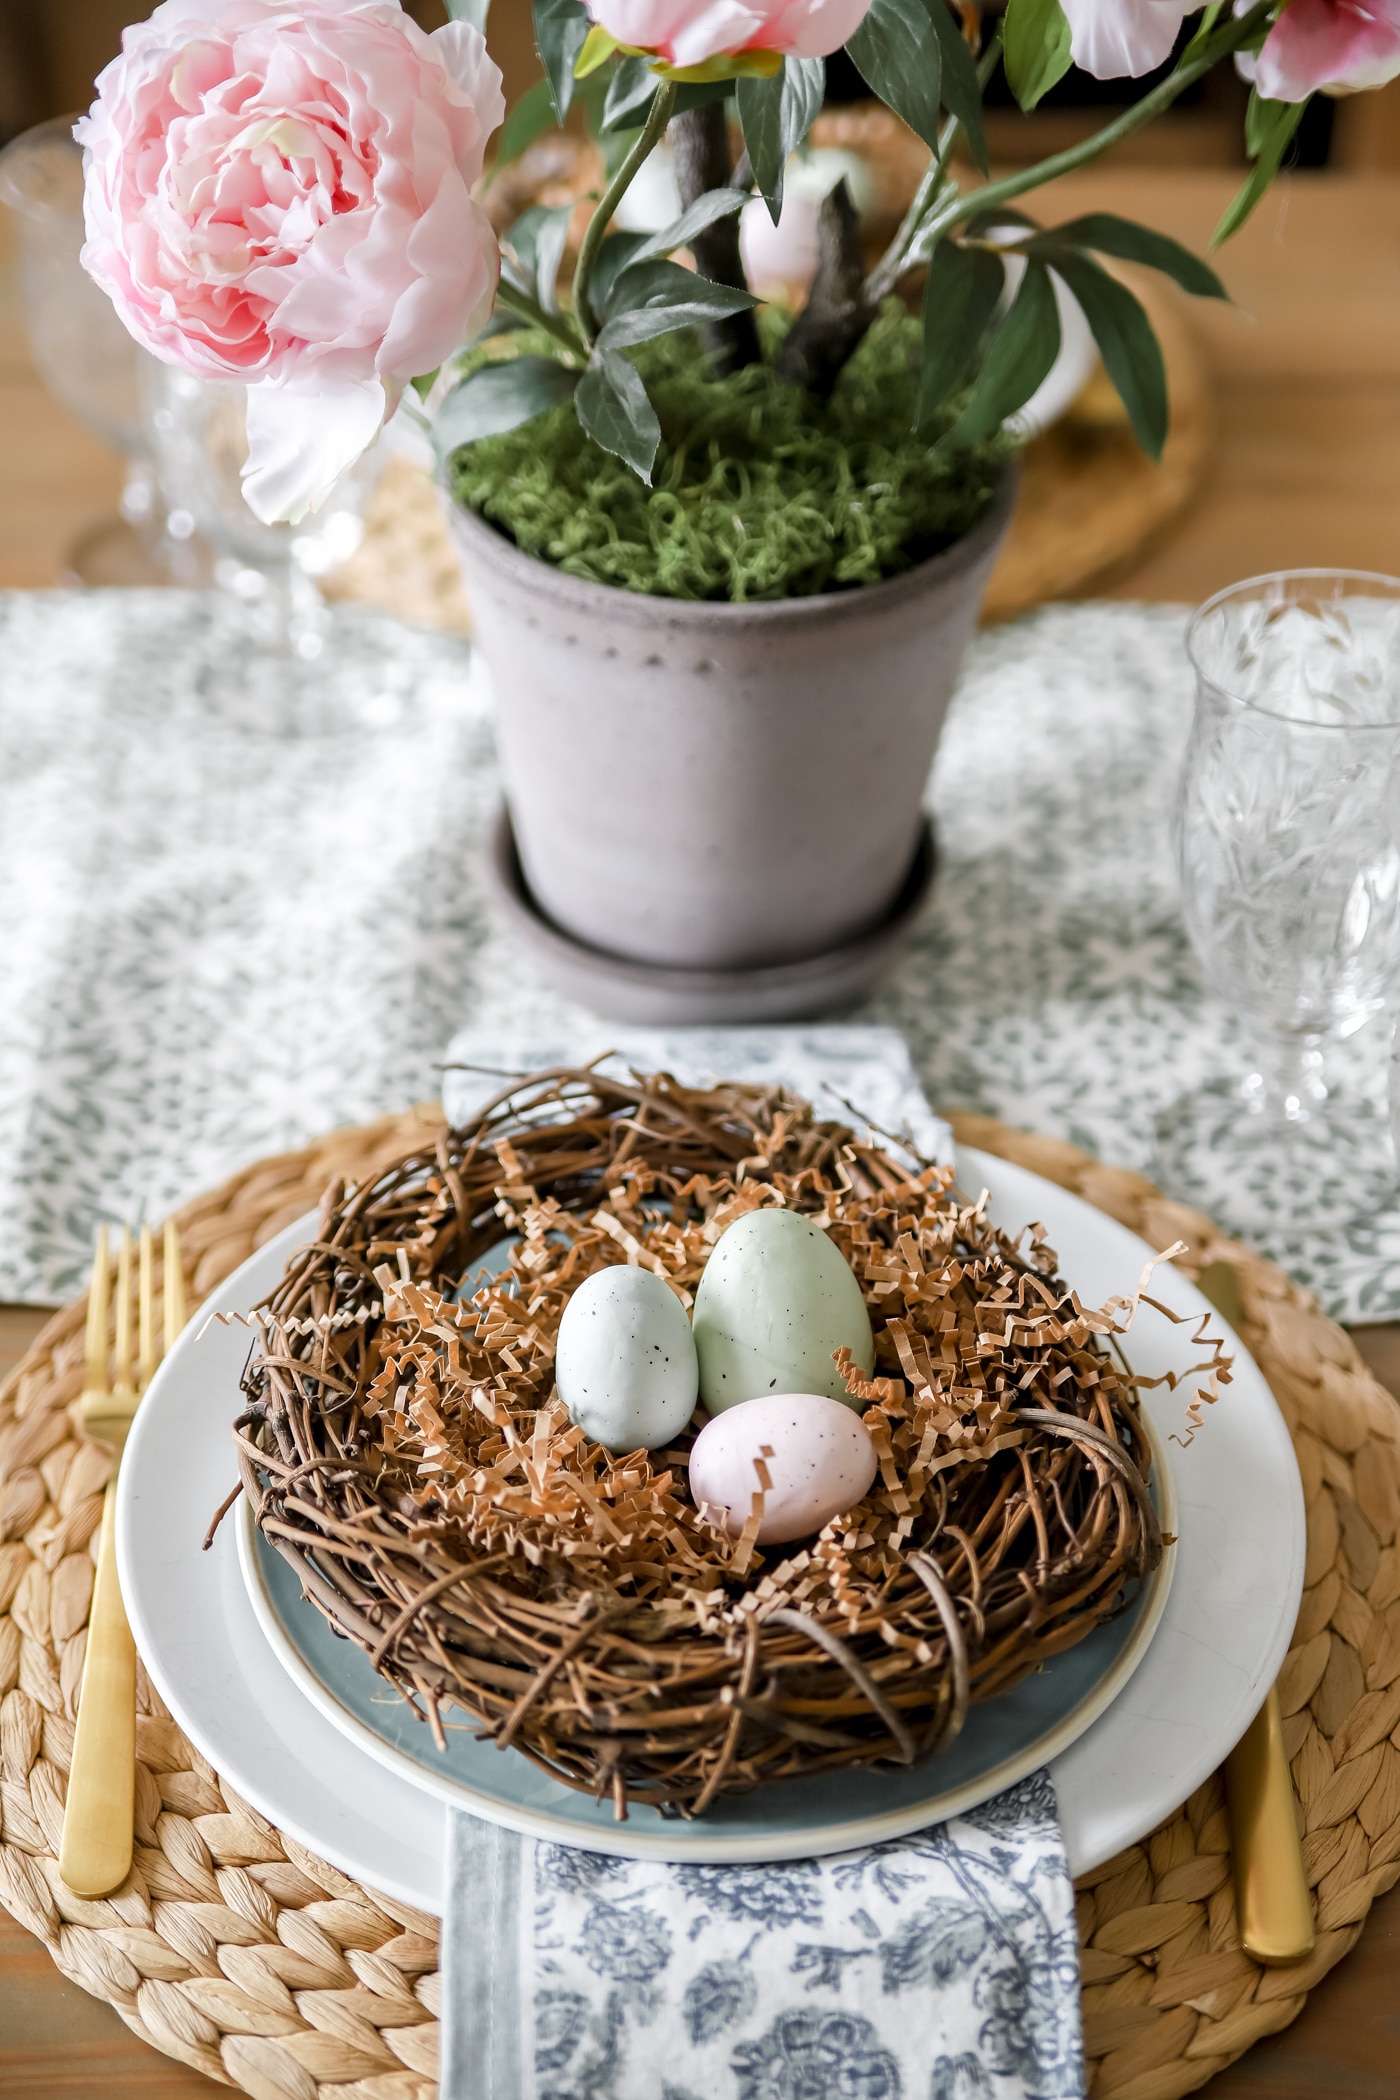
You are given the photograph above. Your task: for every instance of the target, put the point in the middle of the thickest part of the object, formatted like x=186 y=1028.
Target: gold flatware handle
x=95 y=1857
x=1271 y=1888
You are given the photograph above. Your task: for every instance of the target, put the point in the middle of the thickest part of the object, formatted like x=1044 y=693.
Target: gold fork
x=95 y=1856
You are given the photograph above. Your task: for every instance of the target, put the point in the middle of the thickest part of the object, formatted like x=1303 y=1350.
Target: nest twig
x=408 y=1455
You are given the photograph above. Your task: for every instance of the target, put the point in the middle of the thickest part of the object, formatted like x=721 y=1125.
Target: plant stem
x=699 y=142
x=530 y=310
x=836 y=315
x=658 y=117
x=890 y=268
x=900 y=253
x=1231 y=37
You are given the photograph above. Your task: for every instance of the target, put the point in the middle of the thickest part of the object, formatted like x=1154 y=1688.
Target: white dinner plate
x=1221 y=1640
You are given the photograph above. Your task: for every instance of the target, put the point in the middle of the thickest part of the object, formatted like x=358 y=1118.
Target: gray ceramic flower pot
x=719 y=787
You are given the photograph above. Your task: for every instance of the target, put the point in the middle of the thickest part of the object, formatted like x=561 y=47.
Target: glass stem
x=1287 y=1085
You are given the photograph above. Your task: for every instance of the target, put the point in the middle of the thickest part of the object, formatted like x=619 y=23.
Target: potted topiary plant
x=723 y=560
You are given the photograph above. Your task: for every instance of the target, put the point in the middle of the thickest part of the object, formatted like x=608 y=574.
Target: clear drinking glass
x=1287 y=841
x=283 y=679
x=198 y=435
x=85 y=357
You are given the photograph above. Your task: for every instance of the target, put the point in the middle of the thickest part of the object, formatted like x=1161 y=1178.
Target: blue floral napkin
x=943 y=1966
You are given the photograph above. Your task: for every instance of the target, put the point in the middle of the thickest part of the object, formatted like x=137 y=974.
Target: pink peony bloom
x=1111 y=38
x=279 y=191
x=688 y=32
x=1329 y=44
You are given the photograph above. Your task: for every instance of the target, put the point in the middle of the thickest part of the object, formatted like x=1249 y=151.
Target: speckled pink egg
x=822 y=1462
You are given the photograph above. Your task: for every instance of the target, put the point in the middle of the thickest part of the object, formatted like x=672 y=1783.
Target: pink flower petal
x=689 y=32
x=302 y=439
x=1114 y=39
x=281 y=194
x=1329 y=44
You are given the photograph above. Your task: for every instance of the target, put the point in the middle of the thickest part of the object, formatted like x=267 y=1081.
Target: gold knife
x=1271 y=1887
x=95 y=1853
x=1272 y=1903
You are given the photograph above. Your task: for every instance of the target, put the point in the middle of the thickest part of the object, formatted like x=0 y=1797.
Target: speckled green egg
x=775 y=1302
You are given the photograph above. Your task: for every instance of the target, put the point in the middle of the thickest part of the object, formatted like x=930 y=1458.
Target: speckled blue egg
x=625 y=1360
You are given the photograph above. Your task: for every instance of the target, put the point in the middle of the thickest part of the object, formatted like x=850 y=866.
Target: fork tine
x=145 y=1305
x=172 y=1284
x=122 y=1387
x=96 y=1379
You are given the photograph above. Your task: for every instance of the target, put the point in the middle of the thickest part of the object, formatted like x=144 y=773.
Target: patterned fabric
x=943 y=1966
x=217 y=944
x=850 y=1070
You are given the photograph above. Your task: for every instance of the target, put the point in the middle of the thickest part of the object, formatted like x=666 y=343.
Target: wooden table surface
x=1306 y=472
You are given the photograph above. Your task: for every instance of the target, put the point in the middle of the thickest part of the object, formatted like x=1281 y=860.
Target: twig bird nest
x=404 y=1448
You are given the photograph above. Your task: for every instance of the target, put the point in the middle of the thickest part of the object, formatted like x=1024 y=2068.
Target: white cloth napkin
x=855 y=1072
x=943 y=1966
x=215 y=945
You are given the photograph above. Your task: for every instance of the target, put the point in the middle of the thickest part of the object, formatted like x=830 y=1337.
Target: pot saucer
x=622 y=990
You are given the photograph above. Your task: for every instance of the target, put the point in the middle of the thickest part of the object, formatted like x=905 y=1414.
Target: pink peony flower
x=1329 y=44
x=1111 y=38
x=279 y=191
x=688 y=32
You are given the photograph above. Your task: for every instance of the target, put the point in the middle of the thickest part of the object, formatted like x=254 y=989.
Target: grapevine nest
x=404 y=1448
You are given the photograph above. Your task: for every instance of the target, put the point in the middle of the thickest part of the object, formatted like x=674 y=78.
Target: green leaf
x=598 y=47
x=537 y=240
x=1261 y=118
x=504 y=321
x=612 y=405
x=531 y=116
x=777 y=115
x=1132 y=356
x=998 y=220
x=1035 y=48
x=1209 y=17
x=1275 y=140
x=960 y=298
x=472 y=11
x=962 y=91
x=1017 y=361
x=500 y=397
x=695 y=94
x=615 y=147
x=897 y=53
x=656 y=298
x=713 y=205
x=561 y=27
x=629 y=95
x=617 y=251
x=1253 y=43
x=1110 y=235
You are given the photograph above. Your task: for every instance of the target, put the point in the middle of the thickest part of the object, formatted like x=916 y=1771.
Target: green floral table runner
x=218 y=942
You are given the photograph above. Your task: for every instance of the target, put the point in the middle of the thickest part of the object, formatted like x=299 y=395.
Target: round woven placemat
x=236 y=1950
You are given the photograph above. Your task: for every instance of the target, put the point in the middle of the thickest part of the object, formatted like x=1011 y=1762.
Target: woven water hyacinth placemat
x=236 y=1950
